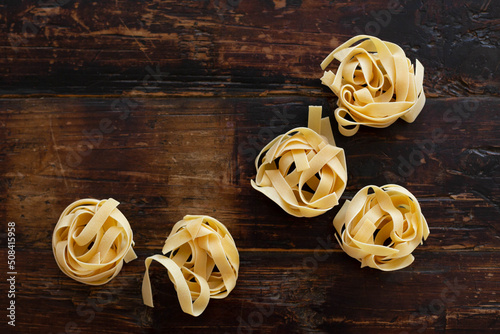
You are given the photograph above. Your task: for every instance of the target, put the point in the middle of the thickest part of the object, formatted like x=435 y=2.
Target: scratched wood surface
x=164 y=105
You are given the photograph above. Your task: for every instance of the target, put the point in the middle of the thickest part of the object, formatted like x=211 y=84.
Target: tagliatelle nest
x=302 y=170
x=91 y=240
x=202 y=263
x=375 y=84
x=381 y=229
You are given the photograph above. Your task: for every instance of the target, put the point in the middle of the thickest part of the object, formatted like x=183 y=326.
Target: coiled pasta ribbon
x=197 y=245
x=302 y=170
x=375 y=83
x=91 y=240
x=381 y=229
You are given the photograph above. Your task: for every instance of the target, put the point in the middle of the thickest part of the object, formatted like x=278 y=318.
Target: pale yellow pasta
x=375 y=84
x=381 y=227
x=202 y=263
x=91 y=240
x=302 y=170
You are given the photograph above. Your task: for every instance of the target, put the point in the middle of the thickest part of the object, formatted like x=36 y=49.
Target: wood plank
x=276 y=292
x=164 y=106
x=235 y=48
x=171 y=157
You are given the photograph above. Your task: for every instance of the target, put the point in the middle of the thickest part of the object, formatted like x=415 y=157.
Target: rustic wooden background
x=163 y=105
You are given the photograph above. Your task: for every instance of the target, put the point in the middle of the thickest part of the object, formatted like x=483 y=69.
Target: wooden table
x=164 y=105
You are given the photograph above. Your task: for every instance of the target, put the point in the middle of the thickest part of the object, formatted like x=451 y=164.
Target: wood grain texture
x=234 y=47
x=171 y=157
x=164 y=106
x=290 y=297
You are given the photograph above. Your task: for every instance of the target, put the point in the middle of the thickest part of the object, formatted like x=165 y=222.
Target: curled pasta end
x=91 y=240
x=202 y=262
x=375 y=84
x=381 y=227
x=302 y=170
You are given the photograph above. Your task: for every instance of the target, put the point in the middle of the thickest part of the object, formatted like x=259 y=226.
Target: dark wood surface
x=177 y=98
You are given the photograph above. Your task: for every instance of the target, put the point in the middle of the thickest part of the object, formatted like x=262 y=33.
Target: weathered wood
x=163 y=105
x=276 y=292
x=165 y=158
x=235 y=47
x=172 y=157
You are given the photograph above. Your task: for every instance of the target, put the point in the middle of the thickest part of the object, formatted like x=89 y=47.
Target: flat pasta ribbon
x=375 y=84
x=302 y=170
x=91 y=240
x=203 y=263
x=381 y=229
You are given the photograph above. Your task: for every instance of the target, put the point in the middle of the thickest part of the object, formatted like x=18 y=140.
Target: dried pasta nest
x=202 y=263
x=91 y=240
x=375 y=84
x=381 y=227
x=302 y=170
